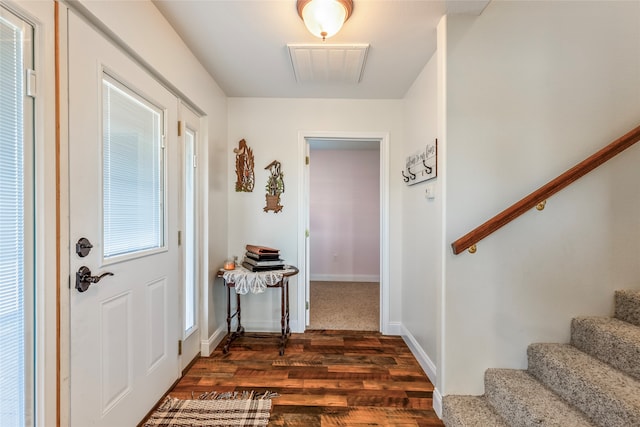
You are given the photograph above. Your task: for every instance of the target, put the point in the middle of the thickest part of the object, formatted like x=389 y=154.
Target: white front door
x=123 y=199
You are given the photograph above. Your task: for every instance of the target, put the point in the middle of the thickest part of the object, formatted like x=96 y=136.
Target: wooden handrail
x=546 y=191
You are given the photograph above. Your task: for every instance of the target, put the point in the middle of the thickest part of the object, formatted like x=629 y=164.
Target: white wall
x=534 y=88
x=271 y=127
x=422 y=223
x=344 y=217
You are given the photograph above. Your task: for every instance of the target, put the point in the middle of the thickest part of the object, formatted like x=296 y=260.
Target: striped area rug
x=213 y=409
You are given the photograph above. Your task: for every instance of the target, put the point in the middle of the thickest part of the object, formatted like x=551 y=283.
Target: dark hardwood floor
x=325 y=378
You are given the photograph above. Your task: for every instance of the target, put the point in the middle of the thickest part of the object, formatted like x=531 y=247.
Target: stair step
x=610 y=340
x=469 y=411
x=523 y=401
x=606 y=395
x=628 y=306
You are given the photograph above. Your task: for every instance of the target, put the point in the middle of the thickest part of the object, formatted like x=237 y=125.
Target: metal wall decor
x=245 y=177
x=422 y=165
x=274 y=187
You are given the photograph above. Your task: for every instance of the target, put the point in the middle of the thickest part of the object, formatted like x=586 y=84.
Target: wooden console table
x=283 y=284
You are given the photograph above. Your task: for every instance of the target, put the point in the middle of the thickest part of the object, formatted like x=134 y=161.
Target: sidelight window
x=16 y=223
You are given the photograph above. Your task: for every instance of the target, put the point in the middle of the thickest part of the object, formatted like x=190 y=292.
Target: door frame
x=303 y=219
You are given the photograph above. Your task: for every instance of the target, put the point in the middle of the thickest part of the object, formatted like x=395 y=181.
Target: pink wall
x=345 y=215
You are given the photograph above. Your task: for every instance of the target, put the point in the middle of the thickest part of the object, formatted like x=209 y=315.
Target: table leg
x=283 y=317
x=231 y=336
x=228 y=308
x=240 y=328
x=286 y=284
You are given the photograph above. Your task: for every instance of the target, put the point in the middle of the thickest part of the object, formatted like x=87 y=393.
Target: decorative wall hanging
x=274 y=187
x=245 y=178
x=422 y=165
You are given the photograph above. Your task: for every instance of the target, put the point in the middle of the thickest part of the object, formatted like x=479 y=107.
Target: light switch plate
x=430 y=192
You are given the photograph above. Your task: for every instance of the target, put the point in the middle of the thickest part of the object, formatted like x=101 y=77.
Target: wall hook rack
x=422 y=165
x=429 y=169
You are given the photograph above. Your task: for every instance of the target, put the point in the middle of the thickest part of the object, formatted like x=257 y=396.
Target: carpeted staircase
x=594 y=381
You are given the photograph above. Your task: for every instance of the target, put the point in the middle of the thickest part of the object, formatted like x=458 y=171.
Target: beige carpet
x=351 y=306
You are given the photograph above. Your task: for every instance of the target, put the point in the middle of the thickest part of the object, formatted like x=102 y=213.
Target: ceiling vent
x=328 y=63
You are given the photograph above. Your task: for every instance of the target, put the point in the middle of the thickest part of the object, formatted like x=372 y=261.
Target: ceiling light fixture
x=324 y=18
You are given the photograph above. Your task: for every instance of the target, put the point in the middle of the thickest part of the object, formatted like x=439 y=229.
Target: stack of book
x=262 y=258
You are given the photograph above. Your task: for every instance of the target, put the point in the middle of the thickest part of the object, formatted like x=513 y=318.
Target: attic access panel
x=328 y=63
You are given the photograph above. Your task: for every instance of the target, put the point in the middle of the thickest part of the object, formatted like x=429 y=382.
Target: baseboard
x=207 y=346
x=262 y=326
x=345 y=277
x=427 y=365
x=421 y=356
x=437 y=402
x=393 y=328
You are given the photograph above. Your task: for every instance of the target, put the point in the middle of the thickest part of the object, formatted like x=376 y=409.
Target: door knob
x=84 y=279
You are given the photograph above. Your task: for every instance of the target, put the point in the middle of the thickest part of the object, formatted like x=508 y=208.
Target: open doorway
x=344 y=244
x=344 y=213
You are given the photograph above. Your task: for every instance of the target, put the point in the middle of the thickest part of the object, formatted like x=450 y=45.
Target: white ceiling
x=243 y=43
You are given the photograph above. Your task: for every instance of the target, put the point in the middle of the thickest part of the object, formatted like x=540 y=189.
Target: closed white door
x=123 y=204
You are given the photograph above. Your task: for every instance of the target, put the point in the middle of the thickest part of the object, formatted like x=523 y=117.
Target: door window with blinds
x=16 y=223
x=134 y=219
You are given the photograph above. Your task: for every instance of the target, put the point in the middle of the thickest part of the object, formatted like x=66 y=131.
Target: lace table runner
x=255 y=282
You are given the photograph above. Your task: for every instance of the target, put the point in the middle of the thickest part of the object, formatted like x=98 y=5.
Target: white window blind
x=133 y=172
x=16 y=356
x=190 y=231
